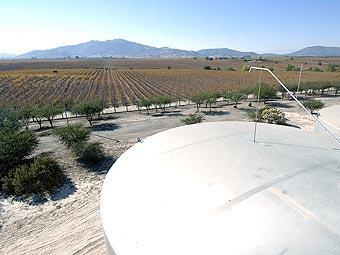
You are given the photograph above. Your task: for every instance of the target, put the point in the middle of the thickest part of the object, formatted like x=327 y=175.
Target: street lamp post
x=298 y=87
x=64 y=104
x=291 y=94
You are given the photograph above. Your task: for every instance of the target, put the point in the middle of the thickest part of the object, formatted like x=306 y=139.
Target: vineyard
x=120 y=84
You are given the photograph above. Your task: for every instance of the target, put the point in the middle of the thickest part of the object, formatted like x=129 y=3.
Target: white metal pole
x=64 y=104
x=291 y=94
x=258 y=106
x=298 y=87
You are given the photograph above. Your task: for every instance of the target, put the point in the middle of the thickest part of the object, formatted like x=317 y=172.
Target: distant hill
x=7 y=55
x=225 y=52
x=119 y=48
x=111 y=48
x=317 y=51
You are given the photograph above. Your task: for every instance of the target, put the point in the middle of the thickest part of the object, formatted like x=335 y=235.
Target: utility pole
x=64 y=104
x=298 y=87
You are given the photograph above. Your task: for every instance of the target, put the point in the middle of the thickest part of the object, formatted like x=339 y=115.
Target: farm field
x=126 y=81
x=68 y=221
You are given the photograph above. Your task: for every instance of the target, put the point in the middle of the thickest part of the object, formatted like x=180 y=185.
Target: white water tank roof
x=331 y=116
x=209 y=189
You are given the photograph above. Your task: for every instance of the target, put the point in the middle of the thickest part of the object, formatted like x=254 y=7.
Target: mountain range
x=7 y=55
x=120 y=48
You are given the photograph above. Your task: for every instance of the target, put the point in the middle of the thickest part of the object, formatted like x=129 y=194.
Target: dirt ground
x=68 y=222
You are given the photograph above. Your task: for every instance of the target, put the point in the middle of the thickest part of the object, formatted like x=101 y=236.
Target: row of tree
x=159 y=102
x=92 y=108
x=87 y=108
x=328 y=68
x=313 y=88
x=235 y=96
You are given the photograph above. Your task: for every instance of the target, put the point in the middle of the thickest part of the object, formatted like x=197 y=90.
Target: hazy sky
x=262 y=26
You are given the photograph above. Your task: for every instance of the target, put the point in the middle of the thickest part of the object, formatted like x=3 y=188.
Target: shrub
x=245 y=68
x=313 y=105
x=72 y=134
x=14 y=147
x=252 y=114
x=273 y=116
x=43 y=176
x=332 y=68
x=206 y=67
x=268 y=115
x=193 y=119
x=89 y=153
x=9 y=119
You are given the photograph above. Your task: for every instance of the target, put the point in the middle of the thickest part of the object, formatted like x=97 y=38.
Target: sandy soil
x=69 y=221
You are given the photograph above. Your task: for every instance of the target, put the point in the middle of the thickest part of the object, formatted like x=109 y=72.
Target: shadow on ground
x=291 y=125
x=216 y=113
x=105 y=127
x=168 y=113
x=65 y=191
x=102 y=167
x=279 y=104
x=108 y=116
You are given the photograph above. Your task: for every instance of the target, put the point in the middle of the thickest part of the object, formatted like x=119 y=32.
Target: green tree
x=89 y=108
x=211 y=98
x=146 y=104
x=125 y=102
x=336 y=88
x=267 y=92
x=198 y=99
x=235 y=97
x=313 y=105
x=161 y=102
x=48 y=111
x=26 y=113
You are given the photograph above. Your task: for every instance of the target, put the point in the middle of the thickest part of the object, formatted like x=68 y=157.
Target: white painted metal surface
x=209 y=189
x=331 y=116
